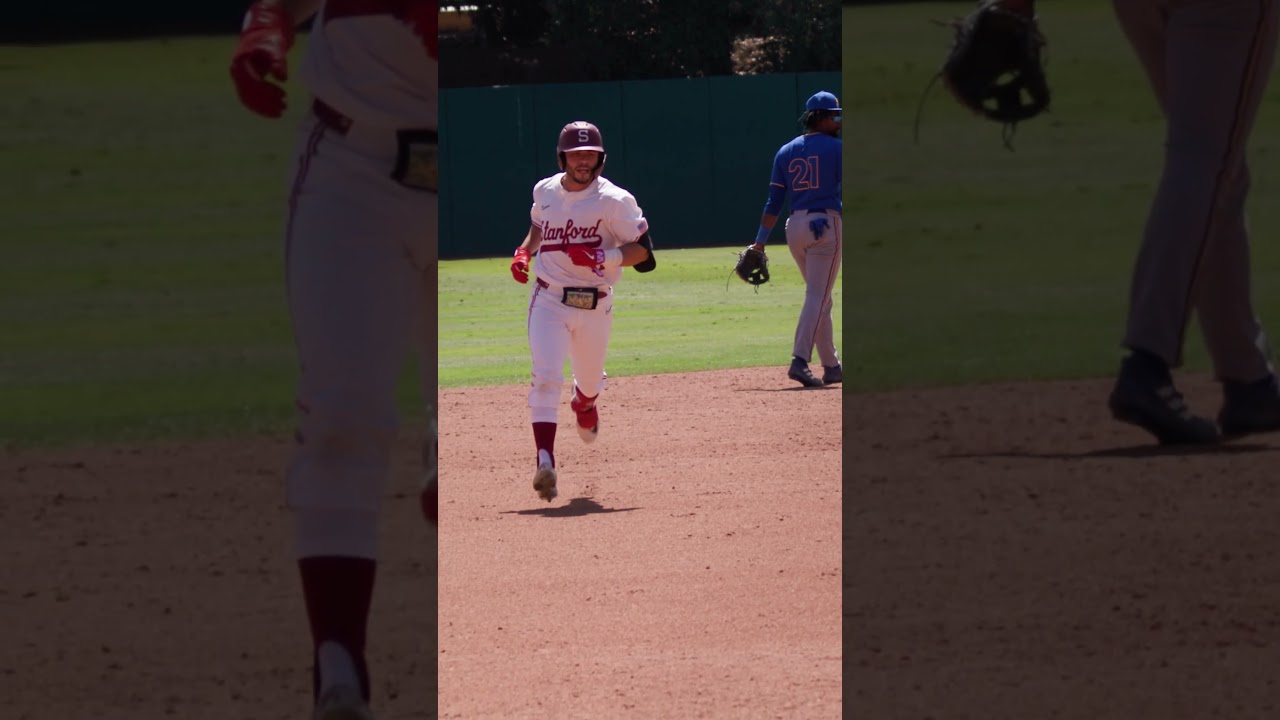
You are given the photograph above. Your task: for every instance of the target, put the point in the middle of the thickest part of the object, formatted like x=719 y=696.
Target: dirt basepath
x=157 y=582
x=689 y=569
x=1012 y=552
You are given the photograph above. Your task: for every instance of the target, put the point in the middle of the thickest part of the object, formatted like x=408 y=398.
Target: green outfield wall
x=81 y=20
x=696 y=152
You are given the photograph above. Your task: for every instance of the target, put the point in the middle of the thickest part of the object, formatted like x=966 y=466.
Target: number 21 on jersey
x=804 y=173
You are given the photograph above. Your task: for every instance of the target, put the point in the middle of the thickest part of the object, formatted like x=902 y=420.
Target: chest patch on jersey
x=417 y=164
x=583 y=298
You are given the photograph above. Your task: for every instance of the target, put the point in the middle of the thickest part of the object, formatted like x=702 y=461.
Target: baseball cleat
x=832 y=375
x=342 y=702
x=544 y=482
x=1144 y=395
x=1250 y=407
x=589 y=434
x=799 y=371
x=588 y=416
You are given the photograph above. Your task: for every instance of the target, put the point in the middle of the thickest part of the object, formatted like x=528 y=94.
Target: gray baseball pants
x=818 y=256
x=1208 y=62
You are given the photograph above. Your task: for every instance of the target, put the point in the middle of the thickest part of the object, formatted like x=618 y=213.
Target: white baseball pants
x=361 y=263
x=557 y=331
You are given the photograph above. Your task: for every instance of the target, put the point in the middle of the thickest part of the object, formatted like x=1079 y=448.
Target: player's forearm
x=633 y=254
x=533 y=240
x=767 y=222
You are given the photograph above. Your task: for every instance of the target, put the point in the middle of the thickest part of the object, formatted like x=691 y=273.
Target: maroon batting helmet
x=580 y=135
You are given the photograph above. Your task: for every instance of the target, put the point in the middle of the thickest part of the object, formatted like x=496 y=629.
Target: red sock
x=544 y=437
x=583 y=403
x=338 y=592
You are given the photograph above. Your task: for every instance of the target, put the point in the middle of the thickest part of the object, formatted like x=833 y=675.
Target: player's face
x=580 y=165
x=834 y=125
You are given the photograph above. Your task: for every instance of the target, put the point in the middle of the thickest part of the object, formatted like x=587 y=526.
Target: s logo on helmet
x=583 y=136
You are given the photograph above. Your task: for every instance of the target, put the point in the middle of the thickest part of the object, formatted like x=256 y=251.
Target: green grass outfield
x=680 y=317
x=967 y=263
x=141 y=269
x=141 y=287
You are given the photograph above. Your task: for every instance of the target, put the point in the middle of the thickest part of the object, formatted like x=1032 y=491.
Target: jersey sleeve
x=777 y=184
x=535 y=213
x=627 y=221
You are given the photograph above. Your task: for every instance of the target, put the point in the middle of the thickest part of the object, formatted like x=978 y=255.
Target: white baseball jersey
x=602 y=216
x=370 y=60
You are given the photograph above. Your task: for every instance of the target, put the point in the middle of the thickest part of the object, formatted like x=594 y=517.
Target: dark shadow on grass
x=577 y=507
x=1133 y=451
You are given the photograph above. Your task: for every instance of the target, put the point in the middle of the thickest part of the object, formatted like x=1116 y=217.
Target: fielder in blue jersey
x=807 y=171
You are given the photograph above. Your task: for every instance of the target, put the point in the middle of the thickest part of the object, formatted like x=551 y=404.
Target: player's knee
x=544 y=397
x=547 y=380
x=338 y=468
x=351 y=430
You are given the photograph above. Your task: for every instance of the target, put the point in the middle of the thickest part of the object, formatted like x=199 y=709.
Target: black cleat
x=832 y=375
x=799 y=371
x=1250 y=407
x=1144 y=395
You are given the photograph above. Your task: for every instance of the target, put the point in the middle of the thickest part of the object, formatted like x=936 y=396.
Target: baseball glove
x=752 y=266
x=995 y=66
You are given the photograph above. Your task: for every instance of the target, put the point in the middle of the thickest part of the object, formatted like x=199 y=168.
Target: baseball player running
x=361 y=270
x=808 y=170
x=584 y=230
x=1208 y=63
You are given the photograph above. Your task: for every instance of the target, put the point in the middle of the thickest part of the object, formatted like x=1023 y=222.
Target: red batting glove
x=584 y=257
x=262 y=53
x=424 y=18
x=520 y=266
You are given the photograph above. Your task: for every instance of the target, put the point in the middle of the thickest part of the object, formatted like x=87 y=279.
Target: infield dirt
x=690 y=567
x=1009 y=552
x=1012 y=552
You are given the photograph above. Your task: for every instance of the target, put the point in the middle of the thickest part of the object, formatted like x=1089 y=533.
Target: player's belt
x=823 y=210
x=543 y=284
x=417 y=150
